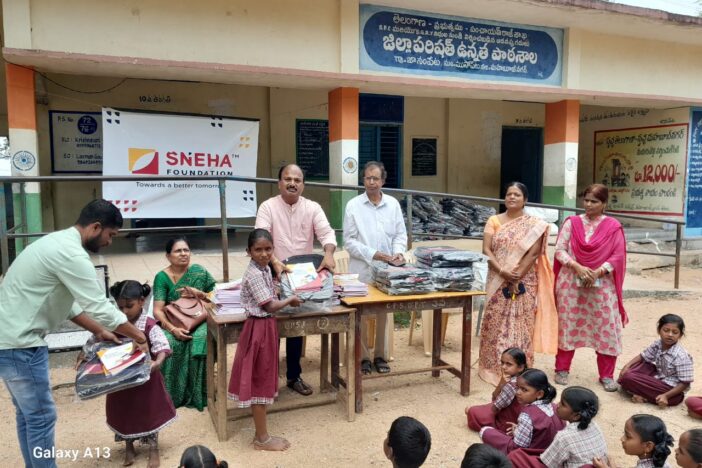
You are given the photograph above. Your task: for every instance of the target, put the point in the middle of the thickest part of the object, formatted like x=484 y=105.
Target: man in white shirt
x=374 y=230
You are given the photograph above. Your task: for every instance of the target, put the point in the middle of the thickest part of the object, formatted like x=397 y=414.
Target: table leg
x=350 y=370
x=210 y=364
x=221 y=384
x=335 y=359
x=436 y=342
x=324 y=363
x=466 y=348
x=357 y=361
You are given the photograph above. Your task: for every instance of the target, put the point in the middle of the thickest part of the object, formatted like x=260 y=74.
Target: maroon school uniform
x=142 y=411
x=658 y=372
x=508 y=409
x=537 y=426
x=254 y=379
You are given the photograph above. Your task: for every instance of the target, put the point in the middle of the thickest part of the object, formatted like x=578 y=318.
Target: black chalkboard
x=694 y=181
x=423 y=156
x=312 y=148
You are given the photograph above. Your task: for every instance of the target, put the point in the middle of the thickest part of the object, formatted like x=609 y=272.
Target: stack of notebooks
x=115 y=360
x=302 y=280
x=227 y=298
x=348 y=285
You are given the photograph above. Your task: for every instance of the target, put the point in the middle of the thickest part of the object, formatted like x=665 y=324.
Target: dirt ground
x=322 y=436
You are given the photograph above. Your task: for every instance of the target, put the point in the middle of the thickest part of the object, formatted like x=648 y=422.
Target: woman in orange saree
x=520 y=310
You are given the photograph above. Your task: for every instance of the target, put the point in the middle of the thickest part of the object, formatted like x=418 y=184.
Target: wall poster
x=76 y=141
x=644 y=168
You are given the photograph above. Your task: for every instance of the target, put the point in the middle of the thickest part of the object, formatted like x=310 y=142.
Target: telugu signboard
x=76 y=141
x=694 y=187
x=644 y=168
x=406 y=41
x=141 y=143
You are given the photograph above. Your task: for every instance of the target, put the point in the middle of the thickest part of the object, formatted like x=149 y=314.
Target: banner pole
x=225 y=232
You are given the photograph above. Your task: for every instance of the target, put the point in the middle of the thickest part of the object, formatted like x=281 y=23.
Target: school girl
x=504 y=408
x=139 y=413
x=537 y=423
x=576 y=445
x=689 y=451
x=254 y=379
x=646 y=438
x=663 y=371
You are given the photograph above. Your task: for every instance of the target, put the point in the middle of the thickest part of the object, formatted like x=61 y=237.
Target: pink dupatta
x=605 y=245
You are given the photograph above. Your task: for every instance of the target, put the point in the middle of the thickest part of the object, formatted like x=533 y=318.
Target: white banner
x=140 y=143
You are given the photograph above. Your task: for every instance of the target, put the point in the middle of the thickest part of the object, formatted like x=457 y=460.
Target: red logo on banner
x=143 y=161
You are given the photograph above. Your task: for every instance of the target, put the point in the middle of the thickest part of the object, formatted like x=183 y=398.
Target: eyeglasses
x=372 y=179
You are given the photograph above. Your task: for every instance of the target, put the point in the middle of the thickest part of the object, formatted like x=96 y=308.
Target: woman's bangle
x=140 y=342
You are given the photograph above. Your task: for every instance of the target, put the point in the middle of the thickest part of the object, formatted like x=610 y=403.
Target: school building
x=457 y=97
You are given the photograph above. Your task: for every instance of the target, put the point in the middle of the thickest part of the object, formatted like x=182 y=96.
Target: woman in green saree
x=184 y=372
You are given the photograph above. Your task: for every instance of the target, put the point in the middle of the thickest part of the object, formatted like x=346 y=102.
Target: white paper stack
x=348 y=285
x=227 y=298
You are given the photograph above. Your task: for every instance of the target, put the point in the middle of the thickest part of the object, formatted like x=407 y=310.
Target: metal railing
x=10 y=234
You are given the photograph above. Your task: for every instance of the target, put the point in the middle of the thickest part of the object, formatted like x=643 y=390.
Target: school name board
x=413 y=42
x=694 y=188
x=76 y=141
x=644 y=168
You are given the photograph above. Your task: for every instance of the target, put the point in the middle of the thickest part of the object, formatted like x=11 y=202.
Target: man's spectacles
x=372 y=179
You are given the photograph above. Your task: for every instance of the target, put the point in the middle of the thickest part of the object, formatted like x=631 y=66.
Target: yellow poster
x=644 y=168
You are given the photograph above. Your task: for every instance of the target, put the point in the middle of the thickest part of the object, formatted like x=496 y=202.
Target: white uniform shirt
x=369 y=228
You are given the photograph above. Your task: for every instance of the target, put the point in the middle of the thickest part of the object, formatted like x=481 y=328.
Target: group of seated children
x=524 y=428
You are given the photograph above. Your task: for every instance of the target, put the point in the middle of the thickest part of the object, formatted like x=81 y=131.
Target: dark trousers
x=293 y=352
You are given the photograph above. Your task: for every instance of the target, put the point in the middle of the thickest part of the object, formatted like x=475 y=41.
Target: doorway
x=522 y=159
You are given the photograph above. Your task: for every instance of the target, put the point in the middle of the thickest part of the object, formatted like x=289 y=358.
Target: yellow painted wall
x=283 y=33
x=425 y=117
x=286 y=106
x=475 y=141
x=632 y=65
x=201 y=98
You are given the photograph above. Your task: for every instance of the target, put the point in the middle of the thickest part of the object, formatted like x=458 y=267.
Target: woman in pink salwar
x=590 y=264
x=520 y=311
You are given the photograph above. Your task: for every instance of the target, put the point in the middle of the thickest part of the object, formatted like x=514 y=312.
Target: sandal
x=381 y=365
x=366 y=367
x=300 y=386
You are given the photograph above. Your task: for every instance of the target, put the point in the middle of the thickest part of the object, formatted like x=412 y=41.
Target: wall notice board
x=694 y=181
x=424 y=156
x=312 y=148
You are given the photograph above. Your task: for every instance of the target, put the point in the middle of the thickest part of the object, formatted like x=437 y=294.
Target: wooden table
x=223 y=330
x=377 y=302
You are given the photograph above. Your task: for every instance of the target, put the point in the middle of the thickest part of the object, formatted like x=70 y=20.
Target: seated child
x=199 y=456
x=689 y=451
x=408 y=443
x=484 y=456
x=647 y=438
x=663 y=371
x=694 y=407
x=504 y=408
x=576 y=445
x=538 y=422
x=139 y=413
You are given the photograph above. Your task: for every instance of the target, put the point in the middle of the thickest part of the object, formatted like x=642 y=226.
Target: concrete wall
x=632 y=65
x=475 y=141
x=250 y=32
x=201 y=98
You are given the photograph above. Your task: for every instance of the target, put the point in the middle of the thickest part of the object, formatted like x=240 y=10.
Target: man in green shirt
x=53 y=280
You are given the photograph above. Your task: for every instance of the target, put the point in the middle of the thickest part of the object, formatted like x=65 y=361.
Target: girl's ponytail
x=537 y=379
x=652 y=429
x=662 y=449
x=584 y=402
